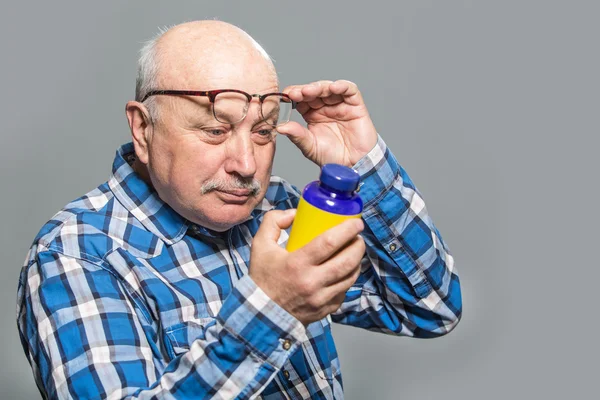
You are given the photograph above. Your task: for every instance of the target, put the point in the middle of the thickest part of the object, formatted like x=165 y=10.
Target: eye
x=264 y=128
x=266 y=131
x=215 y=131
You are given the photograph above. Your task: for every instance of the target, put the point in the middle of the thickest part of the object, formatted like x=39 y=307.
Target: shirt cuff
x=267 y=329
x=378 y=170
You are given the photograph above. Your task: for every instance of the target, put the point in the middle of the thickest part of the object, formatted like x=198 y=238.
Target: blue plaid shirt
x=122 y=297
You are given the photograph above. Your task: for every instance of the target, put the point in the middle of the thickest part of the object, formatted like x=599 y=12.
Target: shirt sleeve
x=85 y=338
x=408 y=283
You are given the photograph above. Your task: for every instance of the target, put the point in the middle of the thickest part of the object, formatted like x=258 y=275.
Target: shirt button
x=393 y=247
x=286 y=374
x=287 y=344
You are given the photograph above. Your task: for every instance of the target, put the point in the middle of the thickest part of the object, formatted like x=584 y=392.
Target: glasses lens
x=276 y=109
x=230 y=107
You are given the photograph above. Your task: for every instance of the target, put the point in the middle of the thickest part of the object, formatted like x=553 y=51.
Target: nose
x=240 y=158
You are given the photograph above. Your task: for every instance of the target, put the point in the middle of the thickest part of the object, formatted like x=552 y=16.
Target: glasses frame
x=212 y=94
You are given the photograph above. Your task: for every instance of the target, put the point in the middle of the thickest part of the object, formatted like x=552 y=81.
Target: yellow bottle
x=325 y=203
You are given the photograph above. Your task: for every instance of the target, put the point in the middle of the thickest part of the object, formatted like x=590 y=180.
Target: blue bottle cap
x=339 y=177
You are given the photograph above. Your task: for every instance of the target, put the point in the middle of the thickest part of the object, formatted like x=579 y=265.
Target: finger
x=322 y=85
x=308 y=92
x=273 y=222
x=343 y=285
x=335 y=295
x=295 y=94
x=288 y=89
x=298 y=134
x=319 y=102
x=333 y=99
x=316 y=103
x=300 y=137
x=298 y=92
x=330 y=92
x=324 y=82
x=303 y=108
x=328 y=243
x=320 y=82
x=315 y=90
x=344 y=263
x=305 y=105
x=343 y=87
x=349 y=90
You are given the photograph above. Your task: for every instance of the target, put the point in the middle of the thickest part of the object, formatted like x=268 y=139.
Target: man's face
x=206 y=170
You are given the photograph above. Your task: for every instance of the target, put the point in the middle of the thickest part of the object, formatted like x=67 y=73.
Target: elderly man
x=171 y=279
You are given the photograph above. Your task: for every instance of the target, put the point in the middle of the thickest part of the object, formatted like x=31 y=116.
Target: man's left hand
x=339 y=129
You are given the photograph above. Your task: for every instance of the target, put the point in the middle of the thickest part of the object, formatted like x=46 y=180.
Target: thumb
x=273 y=222
x=298 y=134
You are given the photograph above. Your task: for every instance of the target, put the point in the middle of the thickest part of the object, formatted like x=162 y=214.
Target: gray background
x=491 y=106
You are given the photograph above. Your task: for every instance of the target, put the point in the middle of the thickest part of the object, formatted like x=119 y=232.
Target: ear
x=140 y=125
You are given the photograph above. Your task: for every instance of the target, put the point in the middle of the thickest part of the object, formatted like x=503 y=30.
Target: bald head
x=210 y=36
x=202 y=55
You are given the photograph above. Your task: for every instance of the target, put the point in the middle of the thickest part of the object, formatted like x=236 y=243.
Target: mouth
x=239 y=196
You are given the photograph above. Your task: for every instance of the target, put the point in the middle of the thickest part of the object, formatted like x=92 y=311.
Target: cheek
x=264 y=160
x=160 y=164
x=191 y=170
x=264 y=166
x=182 y=166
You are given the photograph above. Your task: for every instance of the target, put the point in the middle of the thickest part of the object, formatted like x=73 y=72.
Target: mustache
x=253 y=185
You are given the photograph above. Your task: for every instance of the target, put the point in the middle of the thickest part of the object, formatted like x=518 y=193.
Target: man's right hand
x=311 y=282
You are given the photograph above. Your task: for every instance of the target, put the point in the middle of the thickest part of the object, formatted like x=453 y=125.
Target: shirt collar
x=143 y=201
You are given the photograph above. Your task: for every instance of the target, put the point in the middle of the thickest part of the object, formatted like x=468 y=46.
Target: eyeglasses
x=230 y=106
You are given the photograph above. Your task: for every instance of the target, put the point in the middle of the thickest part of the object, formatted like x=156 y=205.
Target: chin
x=224 y=212
x=227 y=217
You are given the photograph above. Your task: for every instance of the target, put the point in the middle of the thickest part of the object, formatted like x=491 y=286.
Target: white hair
x=147 y=74
x=149 y=64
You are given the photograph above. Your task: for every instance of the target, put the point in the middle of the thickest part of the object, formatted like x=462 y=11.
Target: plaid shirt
x=121 y=297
